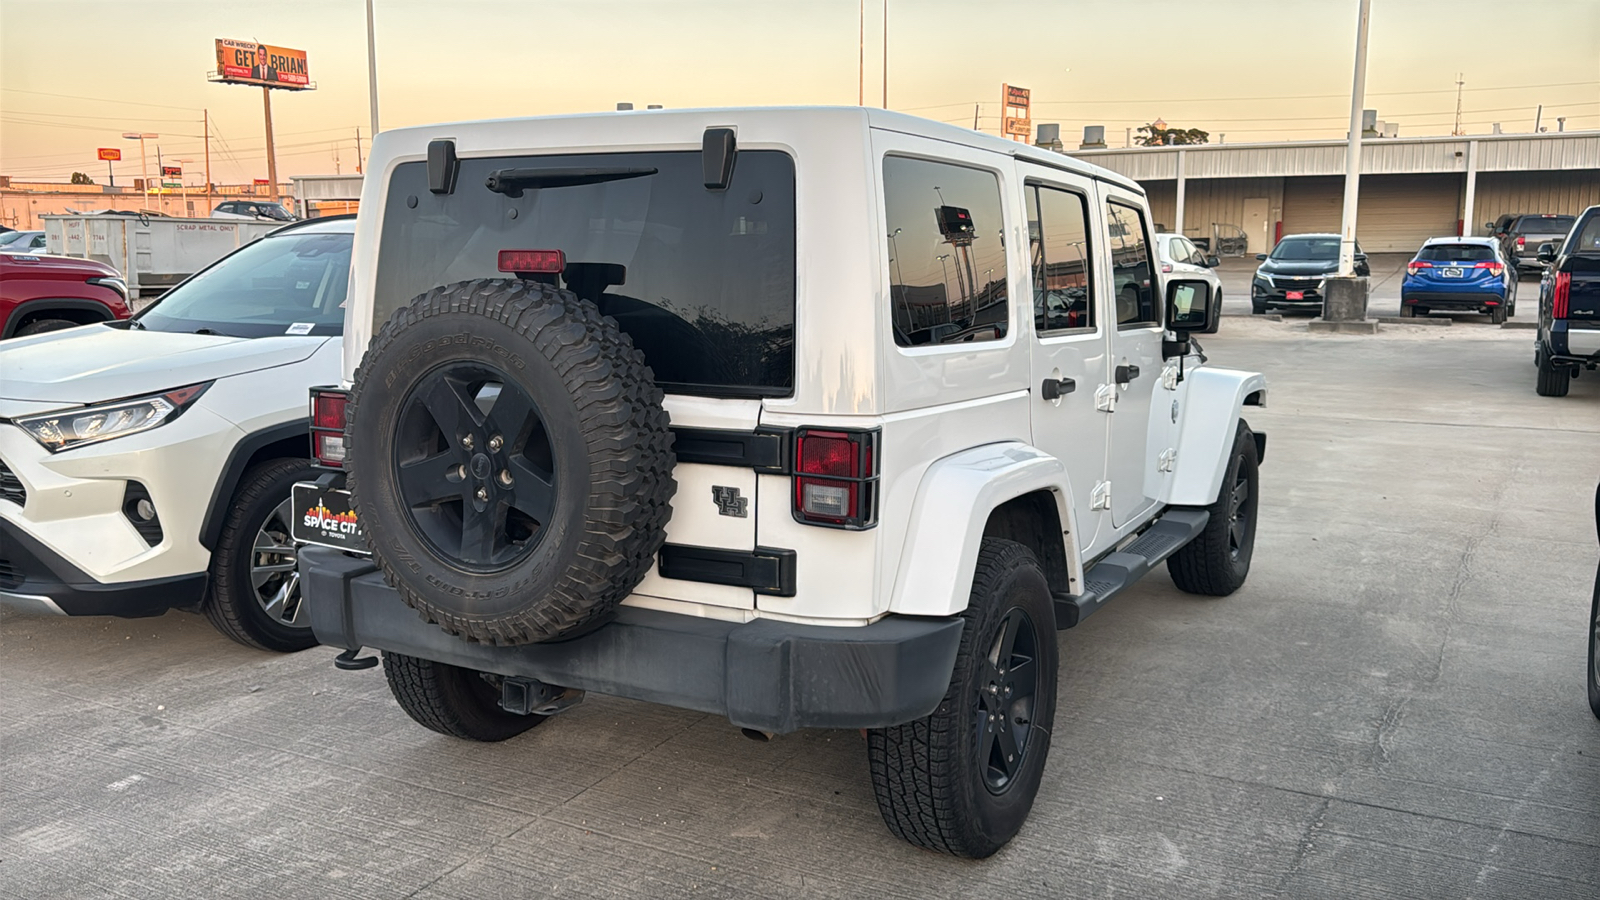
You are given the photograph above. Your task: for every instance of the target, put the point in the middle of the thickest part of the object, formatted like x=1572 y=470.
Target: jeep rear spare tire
x=510 y=460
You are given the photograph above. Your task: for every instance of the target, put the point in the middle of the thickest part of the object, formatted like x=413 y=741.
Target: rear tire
x=1217 y=562
x=1497 y=315
x=451 y=700
x=1553 y=380
x=1216 y=317
x=40 y=326
x=938 y=780
x=255 y=594
x=1407 y=312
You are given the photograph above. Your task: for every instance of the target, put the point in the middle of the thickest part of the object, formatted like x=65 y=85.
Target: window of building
x=947 y=257
x=1058 y=232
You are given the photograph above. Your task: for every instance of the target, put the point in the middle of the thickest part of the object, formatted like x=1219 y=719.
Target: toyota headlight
x=71 y=428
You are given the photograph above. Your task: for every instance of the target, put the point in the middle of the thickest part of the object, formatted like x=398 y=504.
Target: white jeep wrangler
x=806 y=417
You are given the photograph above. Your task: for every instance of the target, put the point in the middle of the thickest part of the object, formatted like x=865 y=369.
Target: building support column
x=1469 y=221
x=1177 y=227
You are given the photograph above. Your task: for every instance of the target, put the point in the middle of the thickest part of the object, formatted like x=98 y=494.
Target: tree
x=1153 y=135
x=80 y=178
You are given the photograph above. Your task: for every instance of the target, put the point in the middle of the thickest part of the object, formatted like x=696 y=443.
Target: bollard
x=1344 y=308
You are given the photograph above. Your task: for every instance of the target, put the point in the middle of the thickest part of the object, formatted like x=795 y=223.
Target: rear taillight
x=836 y=478
x=1558 y=298
x=1167 y=268
x=1417 y=265
x=1493 y=267
x=327 y=426
x=1521 y=242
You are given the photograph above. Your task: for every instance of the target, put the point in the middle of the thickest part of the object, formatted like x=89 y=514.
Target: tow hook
x=532 y=697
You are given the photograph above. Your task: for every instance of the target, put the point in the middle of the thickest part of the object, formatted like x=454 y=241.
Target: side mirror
x=1188 y=305
x=1212 y=262
x=1361 y=257
x=1489 y=225
x=1547 y=253
x=1261 y=256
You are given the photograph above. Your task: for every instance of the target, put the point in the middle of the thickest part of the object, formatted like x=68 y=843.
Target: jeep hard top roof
x=660 y=128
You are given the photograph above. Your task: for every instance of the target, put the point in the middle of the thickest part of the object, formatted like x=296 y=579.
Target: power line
x=99 y=99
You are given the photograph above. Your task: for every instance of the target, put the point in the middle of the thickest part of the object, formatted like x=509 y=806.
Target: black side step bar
x=1121 y=568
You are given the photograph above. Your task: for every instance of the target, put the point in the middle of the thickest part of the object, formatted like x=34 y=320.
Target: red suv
x=44 y=293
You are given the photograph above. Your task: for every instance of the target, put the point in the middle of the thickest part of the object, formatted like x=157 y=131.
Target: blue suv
x=1460 y=274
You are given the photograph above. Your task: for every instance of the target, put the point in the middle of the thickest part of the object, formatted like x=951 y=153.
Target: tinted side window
x=1058 y=233
x=1130 y=267
x=947 y=260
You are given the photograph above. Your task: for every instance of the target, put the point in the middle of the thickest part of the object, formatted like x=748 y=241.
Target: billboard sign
x=111 y=154
x=1015 y=114
x=247 y=62
x=171 y=171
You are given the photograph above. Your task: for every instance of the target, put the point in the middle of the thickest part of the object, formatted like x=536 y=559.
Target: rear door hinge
x=1105 y=398
x=1165 y=461
x=1100 y=497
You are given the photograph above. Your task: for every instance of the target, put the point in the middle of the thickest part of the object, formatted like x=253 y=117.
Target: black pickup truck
x=1569 y=306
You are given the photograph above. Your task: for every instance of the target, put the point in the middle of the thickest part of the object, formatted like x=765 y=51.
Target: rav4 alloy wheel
x=255 y=587
x=509 y=459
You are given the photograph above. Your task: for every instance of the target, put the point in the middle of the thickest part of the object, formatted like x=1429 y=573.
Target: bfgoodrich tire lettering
x=936 y=779
x=595 y=406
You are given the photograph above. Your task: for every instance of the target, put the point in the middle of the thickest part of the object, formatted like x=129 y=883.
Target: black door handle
x=1126 y=374
x=1056 y=388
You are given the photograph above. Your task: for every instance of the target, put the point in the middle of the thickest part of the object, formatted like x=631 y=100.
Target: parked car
x=147 y=465
x=1594 y=626
x=251 y=209
x=1459 y=274
x=1293 y=275
x=1181 y=258
x=22 y=242
x=876 y=522
x=1569 y=306
x=1521 y=236
x=47 y=293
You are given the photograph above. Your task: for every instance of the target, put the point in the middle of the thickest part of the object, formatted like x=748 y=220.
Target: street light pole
x=144 y=167
x=372 y=70
x=1352 y=162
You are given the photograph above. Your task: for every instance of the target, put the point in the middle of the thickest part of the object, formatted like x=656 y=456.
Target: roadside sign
x=247 y=62
x=171 y=171
x=1016 y=119
x=262 y=181
x=1017 y=127
x=111 y=154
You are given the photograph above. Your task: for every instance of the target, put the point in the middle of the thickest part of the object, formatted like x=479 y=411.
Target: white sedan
x=146 y=464
x=1180 y=258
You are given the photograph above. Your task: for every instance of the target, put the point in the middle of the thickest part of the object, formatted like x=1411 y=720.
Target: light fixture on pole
x=144 y=169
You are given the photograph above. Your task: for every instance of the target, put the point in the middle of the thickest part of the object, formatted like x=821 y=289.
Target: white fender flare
x=1213 y=405
x=953 y=504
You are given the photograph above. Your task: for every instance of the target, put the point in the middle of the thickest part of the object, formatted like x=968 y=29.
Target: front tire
x=962 y=779
x=255 y=588
x=1217 y=562
x=40 y=326
x=451 y=700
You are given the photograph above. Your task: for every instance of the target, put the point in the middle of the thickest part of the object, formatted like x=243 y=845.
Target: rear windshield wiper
x=511 y=181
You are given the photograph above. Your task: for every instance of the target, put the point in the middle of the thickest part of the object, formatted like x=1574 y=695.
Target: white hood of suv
x=96 y=363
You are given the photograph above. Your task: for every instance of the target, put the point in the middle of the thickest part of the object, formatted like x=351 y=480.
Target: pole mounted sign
x=1016 y=120
x=111 y=154
x=247 y=62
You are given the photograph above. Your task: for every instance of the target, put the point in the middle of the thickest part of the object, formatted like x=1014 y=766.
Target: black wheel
x=511 y=459
x=1553 y=380
x=1407 y=312
x=1216 y=315
x=1258 y=309
x=1217 y=562
x=254 y=595
x=451 y=700
x=1497 y=315
x=1594 y=627
x=962 y=779
x=40 y=326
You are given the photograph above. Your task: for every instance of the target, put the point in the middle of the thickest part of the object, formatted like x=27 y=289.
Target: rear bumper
x=35 y=579
x=1579 y=345
x=1470 y=300
x=764 y=674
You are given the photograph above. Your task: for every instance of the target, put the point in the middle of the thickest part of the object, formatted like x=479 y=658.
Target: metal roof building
x=1411 y=188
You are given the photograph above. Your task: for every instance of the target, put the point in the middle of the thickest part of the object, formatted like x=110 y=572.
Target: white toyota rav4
x=805 y=417
x=146 y=464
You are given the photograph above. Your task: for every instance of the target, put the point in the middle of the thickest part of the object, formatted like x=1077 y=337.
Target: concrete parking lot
x=1392 y=706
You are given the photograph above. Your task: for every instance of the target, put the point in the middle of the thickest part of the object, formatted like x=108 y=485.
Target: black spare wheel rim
x=1006 y=689
x=474 y=466
x=509 y=460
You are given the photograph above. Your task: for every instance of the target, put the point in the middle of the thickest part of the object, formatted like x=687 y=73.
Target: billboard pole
x=372 y=69
x=207 y=130
x=272 y=158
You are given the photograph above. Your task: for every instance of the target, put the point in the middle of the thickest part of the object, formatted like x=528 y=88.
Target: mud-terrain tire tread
x=629 y=499
x=1205 y=565
x=440 y=697
x=920 y=776
x=229 y=612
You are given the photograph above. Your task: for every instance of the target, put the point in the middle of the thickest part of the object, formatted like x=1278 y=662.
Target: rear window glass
x=703 y=281
x=1545 y=224
x=1589 y=239
x=1456 y=253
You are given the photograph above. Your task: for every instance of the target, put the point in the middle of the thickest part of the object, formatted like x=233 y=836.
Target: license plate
x=1451 y=272
x=1294 y=295
x=323 y=516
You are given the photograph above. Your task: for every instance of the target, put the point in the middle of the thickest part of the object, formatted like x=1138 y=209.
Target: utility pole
x=975 y=108
x=1459 y=83
x=372 y=70
x=885 y=54
x=1352 y=162
x=1538 y=116
x=144 y=166
x=861 y=54
x=358 y=149
x=161 y=167
x=208 y=159
x=272 y=156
